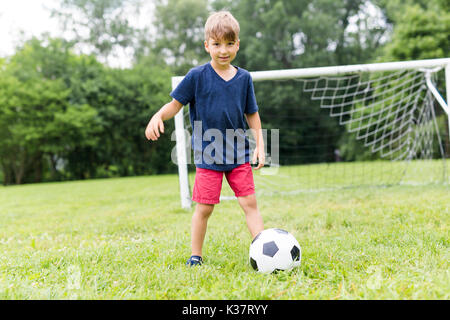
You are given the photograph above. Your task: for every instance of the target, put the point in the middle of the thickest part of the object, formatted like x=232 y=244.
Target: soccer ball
x=274 y=250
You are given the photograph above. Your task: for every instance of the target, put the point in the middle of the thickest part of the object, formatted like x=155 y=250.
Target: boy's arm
x=156 y=125
x=254 y=123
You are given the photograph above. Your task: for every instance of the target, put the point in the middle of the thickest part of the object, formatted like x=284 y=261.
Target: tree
x=291 y=33
x=179 y=25
x=38 y=122
x=395 y=9
x=419 y=34
x=125 y=99
x=101 y=25
x=67 y=116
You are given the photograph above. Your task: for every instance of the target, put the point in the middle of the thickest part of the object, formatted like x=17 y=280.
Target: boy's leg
x=198 y=227
x=206 y=193
x=254 y=219
x=241 y=181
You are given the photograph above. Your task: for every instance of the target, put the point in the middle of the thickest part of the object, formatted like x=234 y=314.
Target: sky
x=29 y=16
x=33 y=17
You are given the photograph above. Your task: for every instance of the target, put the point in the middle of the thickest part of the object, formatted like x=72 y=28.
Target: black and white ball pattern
x=274 y=249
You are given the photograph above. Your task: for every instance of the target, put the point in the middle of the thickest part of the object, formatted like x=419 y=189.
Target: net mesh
x=392 y=114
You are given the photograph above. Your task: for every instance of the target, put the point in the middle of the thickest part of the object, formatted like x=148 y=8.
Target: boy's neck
x=221 y=68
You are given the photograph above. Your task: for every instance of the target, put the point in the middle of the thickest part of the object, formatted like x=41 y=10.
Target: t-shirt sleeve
x=185 y=91
x=251 y=106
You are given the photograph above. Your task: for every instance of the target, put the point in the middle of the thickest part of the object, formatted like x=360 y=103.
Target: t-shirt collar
x=226 y=81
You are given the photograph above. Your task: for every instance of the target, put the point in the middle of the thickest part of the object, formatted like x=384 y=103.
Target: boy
x=221 y=97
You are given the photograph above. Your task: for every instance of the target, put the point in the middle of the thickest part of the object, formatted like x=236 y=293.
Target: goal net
x=338 y=127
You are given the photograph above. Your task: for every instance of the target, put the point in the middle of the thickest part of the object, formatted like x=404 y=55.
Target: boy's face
x=222 y=52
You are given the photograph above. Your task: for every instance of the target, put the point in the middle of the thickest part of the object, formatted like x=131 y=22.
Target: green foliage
x=125 y=100
x=291 y=34
x=66 y=116
x=395 y=9
x=38 y=120
x=99 y=24
x=179 y=25
x=420 y=29
x=420 y=34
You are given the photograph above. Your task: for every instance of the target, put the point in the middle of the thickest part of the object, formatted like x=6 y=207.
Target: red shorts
x=208 y=183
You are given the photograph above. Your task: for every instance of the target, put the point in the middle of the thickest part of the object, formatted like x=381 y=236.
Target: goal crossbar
x=284 y=74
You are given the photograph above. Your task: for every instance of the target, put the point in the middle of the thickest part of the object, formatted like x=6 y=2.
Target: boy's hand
x=260 y=157
x=155 y=126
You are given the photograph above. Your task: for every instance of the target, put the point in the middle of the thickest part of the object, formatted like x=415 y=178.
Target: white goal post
x=426 y=66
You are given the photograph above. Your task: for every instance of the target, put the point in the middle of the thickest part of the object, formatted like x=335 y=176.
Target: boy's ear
x=206 y=46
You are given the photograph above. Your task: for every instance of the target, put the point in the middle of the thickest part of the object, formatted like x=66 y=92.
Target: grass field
x=128 y=239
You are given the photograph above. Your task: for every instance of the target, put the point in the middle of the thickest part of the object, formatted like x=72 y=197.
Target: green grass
x=128 y=239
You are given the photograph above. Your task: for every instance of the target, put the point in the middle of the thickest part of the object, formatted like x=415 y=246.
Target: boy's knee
x=204 y=210
x=249 y=200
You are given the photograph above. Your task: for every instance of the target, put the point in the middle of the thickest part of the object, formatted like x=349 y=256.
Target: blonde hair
x=222 y=25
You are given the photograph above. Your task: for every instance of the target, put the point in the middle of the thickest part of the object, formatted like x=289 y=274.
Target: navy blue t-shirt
x=217 y=108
